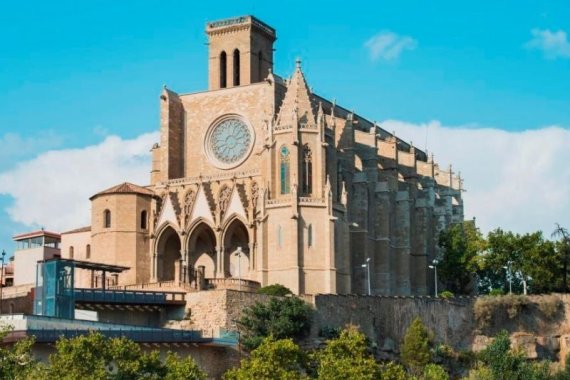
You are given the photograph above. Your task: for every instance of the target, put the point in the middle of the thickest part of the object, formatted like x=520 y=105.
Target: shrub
x=273 y=359
x=415 y=350
x=277 y=290
x=288 y=317
x=496 y=292
x=486 y=308
x=392 y=371
x=346 y=358
x=435 y=372
x=329 y=332
x=446 y=294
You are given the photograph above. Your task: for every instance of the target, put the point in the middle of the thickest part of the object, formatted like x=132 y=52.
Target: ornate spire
x=297 y=100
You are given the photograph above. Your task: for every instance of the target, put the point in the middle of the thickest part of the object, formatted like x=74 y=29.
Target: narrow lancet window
x=143 y=220
x=236 y=67
x=307 y=170
x=310 y=236
x=107 y=219
x=223 y=70
x=284 y=170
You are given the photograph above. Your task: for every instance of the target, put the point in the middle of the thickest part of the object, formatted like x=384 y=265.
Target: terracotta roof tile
x=125 y=188
x=77 y=230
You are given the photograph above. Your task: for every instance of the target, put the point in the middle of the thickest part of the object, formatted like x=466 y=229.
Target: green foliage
x=392 y=371
x=288 y=317
x=347 y=358
x=462 y=245
x=435 y=372
x=329 y=332
x=506 y=364
x=279 y=359
x=94 y=357
x=277 y=290
x=415 y=350
x=496 y=292
x=16 y=361
x=182 y=368
x=446 y=294
x=527 y=256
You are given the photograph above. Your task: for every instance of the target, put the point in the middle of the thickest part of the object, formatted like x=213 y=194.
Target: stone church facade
x=260 y=178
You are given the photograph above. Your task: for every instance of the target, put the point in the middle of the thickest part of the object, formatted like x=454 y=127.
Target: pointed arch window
x=107 y=219
x=307 y=170
x=284 y=170
x=88 y=251
x=71 y=252
x=223 y=69
x=236 y=67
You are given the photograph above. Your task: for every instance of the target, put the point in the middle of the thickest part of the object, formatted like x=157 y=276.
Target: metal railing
x=139 y=336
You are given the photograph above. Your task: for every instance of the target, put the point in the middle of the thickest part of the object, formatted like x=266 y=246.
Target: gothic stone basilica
x=261 y=179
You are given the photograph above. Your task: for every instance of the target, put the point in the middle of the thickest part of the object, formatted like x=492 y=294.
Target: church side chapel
x=258 y=180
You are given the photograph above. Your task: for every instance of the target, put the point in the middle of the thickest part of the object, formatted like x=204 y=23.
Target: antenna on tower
x=427 y=130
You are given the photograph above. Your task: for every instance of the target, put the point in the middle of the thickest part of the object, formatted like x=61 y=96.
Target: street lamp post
x=434 y=267
x=367 y=266
x=239 y=267
x=2 y=280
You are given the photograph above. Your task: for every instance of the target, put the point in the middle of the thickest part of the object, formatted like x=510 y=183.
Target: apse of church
x=259 y=178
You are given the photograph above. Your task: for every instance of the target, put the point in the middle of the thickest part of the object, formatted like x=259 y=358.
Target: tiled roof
x=77 y=230
x=125 y=188
x=37 y=234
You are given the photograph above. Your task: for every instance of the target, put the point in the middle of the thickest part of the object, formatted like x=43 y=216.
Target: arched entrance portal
x=167 y=255
x=202 y=250
x=235 y=236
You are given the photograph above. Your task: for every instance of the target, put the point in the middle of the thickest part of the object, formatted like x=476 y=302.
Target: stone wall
x=384 y=320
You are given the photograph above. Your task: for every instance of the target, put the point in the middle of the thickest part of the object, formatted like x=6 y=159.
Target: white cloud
x=388 y=45
x=53 y=189
x=552 y=44
x=518 y=181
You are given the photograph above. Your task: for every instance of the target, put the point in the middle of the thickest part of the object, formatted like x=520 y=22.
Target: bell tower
x=240 y=51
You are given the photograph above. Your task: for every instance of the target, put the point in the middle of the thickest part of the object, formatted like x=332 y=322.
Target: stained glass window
x=284 y=170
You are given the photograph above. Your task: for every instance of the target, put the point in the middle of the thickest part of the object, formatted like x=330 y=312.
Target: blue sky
x=74 y=73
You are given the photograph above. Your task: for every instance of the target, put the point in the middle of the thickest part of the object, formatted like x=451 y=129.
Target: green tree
x=279 y=359
x=346 y=357
x=288 y=317
x=392 y=371
x=527 y=257
x=415 y=350
x=277 y=290
x=505 y=364
x=462 y=244
x=564 y=252
x=95 y=357
x=16 y=361
x=435 y=372
x=182 y=368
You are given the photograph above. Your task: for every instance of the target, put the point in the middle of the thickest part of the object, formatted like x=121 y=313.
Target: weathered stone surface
x=526 y=343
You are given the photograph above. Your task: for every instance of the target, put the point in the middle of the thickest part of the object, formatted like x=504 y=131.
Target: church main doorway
x=236 y=244
x=167 y=255
x=202 y=250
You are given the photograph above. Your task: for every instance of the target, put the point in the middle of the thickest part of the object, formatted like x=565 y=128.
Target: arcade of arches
x=205 y=253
